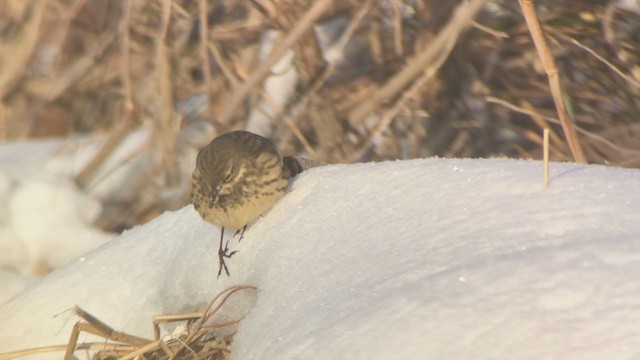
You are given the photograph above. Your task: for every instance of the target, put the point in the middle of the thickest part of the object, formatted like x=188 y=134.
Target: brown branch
x=125 y=68
x=166 y=125
x=554 y=79
x=15 y=58
x=310 y=61
x=397 y=27
x=305 y=24
x=582 y=131
x=204 y=57
x=461 y=19
x=390 y=114
x=615 y=69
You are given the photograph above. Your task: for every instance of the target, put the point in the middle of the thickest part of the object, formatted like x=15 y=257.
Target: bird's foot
x=241 y=232
x=222 y=254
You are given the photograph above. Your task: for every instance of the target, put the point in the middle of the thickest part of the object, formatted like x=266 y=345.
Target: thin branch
x=397 y=27
x=554 y=79
x=589 y=134
x=611 y=66
x=125 y=68
x=15 y=57
x=305 y=24
x=204 y=56
x=402 y=101
x=461 y=19
x=167 y=124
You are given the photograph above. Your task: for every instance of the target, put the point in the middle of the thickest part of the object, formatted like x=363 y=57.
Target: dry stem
x=461 y=19
x=306 y=22
x=554 y=79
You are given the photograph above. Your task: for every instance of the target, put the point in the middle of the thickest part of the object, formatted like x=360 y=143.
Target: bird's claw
x=241 y=232
x=222 y=254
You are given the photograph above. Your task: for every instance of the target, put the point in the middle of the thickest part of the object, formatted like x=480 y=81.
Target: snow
x=430 y=258
x=38 y=209
x=45 y=220
x=13 y=283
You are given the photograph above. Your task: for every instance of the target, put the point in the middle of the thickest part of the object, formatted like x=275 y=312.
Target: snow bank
x=434 y=258
x=45 y=220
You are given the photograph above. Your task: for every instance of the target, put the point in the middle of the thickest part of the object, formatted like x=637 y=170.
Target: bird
x=239 y=176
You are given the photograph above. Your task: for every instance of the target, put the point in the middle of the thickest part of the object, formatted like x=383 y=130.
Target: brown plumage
x=238 y=177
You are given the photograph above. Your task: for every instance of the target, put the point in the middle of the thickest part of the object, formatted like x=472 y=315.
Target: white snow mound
x=440 y=259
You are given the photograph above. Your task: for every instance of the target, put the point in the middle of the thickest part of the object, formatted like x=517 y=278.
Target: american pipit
x=238 y=177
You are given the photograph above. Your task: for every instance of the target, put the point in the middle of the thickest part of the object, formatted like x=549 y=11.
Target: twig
x=125 y=68
x=460 y=20
x=97 y=327
x=3 y=122
x=388 y=117
x=209 y=312
x=334 y=55
x=142 y=350
x=228 y=74
x=204 y=57
x=290 y=123
x=397 y=27
x=545 y=156
x=541 y=122
x=306 y=22
x=496 y=33
x=589 y=134
x=135 y=346
x=97 y=346
x=167 y=124
x=611 y=66
x=15 y=58
x=554 y=79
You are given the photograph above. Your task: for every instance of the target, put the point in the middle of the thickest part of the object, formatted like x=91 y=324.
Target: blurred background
x=136 y=87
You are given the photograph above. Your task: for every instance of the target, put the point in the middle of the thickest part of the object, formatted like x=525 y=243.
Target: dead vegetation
x=202 y=338
x=377 y=80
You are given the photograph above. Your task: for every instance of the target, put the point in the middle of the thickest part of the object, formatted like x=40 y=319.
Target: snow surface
x=45 y=220
x=442 y=259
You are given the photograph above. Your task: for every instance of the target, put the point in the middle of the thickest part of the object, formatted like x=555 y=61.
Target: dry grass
x=201 y=340
x=403 y=79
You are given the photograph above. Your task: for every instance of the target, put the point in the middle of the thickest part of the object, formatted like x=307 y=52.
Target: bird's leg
x=244 y=228
x=223 y=252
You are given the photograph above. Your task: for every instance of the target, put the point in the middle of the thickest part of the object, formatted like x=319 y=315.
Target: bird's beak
x=213 y=198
